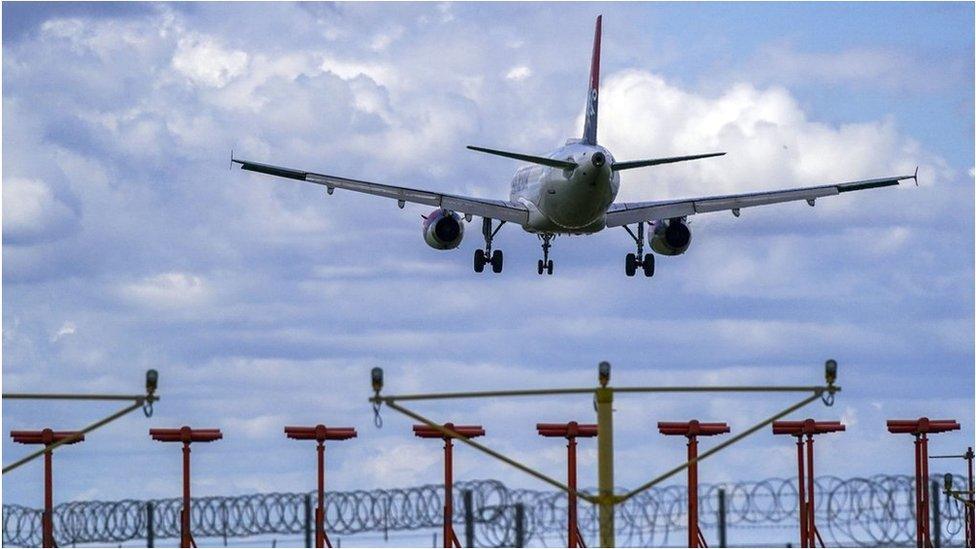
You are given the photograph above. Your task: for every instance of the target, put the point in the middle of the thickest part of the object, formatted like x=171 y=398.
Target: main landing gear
x=633 y=261
x=545 y=264
x=486 y=256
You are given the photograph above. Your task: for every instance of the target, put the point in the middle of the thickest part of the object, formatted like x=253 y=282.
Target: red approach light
x=185 y=434
x=806 y=427
x=46 y=436
x=567 y=430
x=693 y=428
x=320 y=433
x=922 y=425
x=466 y=431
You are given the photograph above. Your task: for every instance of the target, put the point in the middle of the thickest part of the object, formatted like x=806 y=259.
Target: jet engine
x=443 y=229
x=670 y=237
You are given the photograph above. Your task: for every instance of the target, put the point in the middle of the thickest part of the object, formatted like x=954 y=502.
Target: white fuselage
x=567 y=201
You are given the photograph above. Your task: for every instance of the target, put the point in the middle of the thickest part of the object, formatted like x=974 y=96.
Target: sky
x=129 y=244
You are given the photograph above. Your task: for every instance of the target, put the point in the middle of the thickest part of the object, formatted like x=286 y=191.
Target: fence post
x=722 y=541
x=519 y=525
x=468 y=498
x=308 y=520
x=936 y=518
x=150 y=534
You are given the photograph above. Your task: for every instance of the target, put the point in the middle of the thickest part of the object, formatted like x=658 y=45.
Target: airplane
x=570 y=191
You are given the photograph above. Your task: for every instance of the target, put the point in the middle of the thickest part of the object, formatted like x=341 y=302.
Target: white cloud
x=168 y=290
x=770 y=140
x=32 y=213
x=520 y=72
x=66 y=329
x=205 y=62
x=383 y=40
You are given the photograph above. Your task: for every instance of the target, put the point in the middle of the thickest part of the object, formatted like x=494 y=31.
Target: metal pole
x=519 y=525
x=150 y=523
x=571 y=517
x=308 y=520
x=320 y=507
x=185 y=540
x=918 y=492
x=971 y=515
x=692 y=492
x=448 y=491
x=811 y=489
x=468 y=497
x=604 y=416
x=47 y=520
x=925 y=490
x=801 y=490
x=936 y=518
x=722 y=540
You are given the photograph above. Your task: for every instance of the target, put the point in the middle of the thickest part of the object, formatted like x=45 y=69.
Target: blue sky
x=127 y=243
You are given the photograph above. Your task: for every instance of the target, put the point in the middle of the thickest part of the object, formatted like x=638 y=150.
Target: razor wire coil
x=877 y=510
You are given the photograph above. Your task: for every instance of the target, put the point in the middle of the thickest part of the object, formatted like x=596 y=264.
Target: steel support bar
x=604 y=439
x=585 y=390
x=81 y=433
x=483 y=449
x=70 y=396
x=719 y=447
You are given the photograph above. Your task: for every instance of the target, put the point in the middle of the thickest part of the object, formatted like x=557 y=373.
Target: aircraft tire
x=549 y=267
x=648 y=265
x=497 y=261
x=540 y=267
x=479 y=261
x=630 y=264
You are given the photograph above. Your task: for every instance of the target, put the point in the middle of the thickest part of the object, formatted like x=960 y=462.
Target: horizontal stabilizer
x=617 y=166
x=551 y=162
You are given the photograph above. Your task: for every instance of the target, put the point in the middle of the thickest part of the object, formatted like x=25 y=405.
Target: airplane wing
x=634 y=212
x=481 y=207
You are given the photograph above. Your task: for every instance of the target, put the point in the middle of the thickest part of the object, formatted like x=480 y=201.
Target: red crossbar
x=185 y=434
x=692 y=428
x=922 y=425
x=320 y=433
x=806 y=427
x=45 y=436
x=466 y=431
x=567 y=430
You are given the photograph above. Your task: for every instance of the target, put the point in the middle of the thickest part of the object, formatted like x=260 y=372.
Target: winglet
x=915 y=177
x=231 y=165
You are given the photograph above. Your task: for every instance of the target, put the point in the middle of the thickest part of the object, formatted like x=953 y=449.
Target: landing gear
x=545 y=264
x=633 y=261
x=486 y=256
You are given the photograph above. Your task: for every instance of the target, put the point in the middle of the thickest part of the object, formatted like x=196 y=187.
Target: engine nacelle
x=670 y=237
x=443 y=229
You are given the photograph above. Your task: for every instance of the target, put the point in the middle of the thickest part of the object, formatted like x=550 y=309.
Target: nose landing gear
x=487 y=256
x=633 y=261
x=545 y=264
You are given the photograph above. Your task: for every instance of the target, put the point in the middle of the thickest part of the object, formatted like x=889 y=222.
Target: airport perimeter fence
x=872 y=511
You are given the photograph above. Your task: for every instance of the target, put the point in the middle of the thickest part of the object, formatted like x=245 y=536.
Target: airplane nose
x=598 y=159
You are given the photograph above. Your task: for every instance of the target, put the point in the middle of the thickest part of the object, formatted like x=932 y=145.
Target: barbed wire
x=872 y=511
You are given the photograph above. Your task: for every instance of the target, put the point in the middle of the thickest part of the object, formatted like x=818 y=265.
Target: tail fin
x=589 y=127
